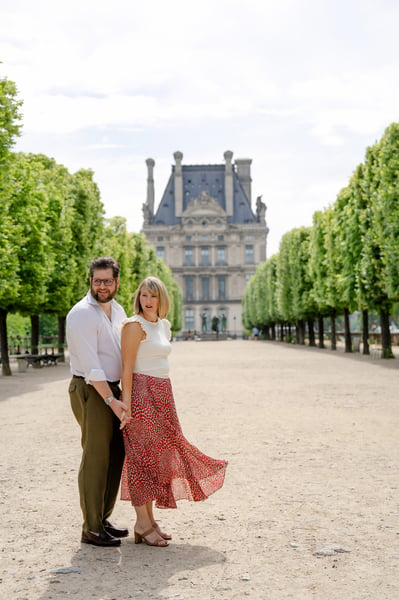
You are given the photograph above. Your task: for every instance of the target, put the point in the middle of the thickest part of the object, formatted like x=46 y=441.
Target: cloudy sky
x=300 y=86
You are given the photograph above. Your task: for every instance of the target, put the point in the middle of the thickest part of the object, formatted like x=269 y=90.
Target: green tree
x=10 y=125
x=26 y=204
x=88 y=228
x=284 y=280
x=249 y=301
x=259 y=308
x=18 y=328
x=386 y=208
x=87 y=237
x=350 y=209
x=119 y=244
x=372 y=281
x=10 y=118
x=54 y=183
x=61 y=260
x=259 y=302
x=271 y=293
x=318 y=269
x=294 y=285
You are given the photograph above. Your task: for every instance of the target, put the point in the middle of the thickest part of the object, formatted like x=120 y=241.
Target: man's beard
x=101 y=300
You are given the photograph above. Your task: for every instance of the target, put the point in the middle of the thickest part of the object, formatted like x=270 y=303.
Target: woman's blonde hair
x=156 y=287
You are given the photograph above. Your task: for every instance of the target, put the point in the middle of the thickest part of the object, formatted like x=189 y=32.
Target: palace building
x=208 y=234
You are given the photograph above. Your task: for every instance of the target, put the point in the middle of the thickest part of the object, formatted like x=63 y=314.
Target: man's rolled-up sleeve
x=82 y=344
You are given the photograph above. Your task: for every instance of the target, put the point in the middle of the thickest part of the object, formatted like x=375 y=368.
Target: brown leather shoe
x=100 y=539
x=118 y=532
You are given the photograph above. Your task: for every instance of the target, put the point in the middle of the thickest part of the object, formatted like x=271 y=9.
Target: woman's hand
x=125 y=419
x=121 y=410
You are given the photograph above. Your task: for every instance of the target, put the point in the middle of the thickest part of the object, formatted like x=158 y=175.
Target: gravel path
x=310 y=505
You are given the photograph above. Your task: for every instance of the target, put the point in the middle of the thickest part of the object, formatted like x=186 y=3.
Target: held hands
x=125 y=418
x=121 y=411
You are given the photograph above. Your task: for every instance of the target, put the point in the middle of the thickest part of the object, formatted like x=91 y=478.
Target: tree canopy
x=347 y=261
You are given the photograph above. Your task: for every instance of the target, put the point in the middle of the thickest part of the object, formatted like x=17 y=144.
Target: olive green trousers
x=103 y=453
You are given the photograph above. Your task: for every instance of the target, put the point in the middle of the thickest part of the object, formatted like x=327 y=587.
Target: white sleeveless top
x=154 y=349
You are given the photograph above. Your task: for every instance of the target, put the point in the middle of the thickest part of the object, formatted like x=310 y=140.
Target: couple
x=137 y=438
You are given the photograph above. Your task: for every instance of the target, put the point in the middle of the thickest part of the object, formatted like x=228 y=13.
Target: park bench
x=51 y=358
x=24 y=360
x=35 y=360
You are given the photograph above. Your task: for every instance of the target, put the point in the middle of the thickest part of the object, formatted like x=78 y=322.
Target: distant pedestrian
x=255 y=332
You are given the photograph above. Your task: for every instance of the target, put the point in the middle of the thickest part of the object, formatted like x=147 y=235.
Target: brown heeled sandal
x=165 y=536
x=141 y=537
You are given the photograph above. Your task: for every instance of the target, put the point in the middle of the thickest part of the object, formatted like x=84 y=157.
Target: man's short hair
x=105 y=262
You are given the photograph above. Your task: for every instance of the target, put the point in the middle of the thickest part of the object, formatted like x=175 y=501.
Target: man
x=93 y=336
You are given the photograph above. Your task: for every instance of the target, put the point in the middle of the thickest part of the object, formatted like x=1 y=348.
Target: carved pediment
x=204 y=206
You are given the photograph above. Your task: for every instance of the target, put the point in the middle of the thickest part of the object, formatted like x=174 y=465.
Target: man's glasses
x=106 y=282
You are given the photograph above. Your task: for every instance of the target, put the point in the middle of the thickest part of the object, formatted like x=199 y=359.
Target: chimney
x=178 y=156
x=228 y=183
x=244 y=175
x=150 y=162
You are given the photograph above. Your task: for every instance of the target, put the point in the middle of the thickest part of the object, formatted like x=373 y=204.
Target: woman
x=160 y=465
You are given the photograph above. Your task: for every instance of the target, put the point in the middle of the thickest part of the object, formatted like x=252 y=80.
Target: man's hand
x=120 y=409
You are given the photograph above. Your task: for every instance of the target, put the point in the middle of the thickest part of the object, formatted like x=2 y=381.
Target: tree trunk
x=312 y=341
x=303 y=332
x=266 y=332
x=347 y=331
x=34 y=334
x=281 y=332
x=300 y=332
x=61 y=337
x=333 y=330
x=385 y=335
x=321 y=331
x=273 y=328
x=365 y=319
x=5 y=361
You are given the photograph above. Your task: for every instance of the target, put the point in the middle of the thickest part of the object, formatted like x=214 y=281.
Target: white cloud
x=300 y=87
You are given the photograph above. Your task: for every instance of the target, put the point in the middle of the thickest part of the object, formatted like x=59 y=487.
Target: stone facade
x=208 y=234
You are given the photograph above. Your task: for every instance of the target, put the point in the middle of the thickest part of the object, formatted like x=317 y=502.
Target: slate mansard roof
x=204 y=178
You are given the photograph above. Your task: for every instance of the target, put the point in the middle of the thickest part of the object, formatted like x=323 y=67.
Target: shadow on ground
x=372 y=359
x=31 y=380
x=130 y=571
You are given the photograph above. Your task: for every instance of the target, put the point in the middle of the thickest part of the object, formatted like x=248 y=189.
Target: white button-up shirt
x=94 y=340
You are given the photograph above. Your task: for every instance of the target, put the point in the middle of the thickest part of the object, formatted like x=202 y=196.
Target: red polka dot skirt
x=160 y=464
